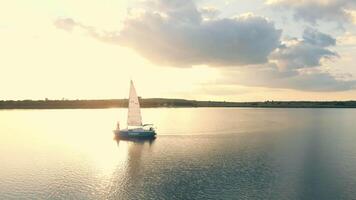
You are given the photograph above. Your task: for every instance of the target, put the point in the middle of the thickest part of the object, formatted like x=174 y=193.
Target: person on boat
x=118 y=125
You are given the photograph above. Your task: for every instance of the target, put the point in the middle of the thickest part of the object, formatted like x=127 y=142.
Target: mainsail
x=134 y=114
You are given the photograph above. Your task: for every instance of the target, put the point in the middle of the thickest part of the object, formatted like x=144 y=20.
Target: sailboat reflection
x=150 y=141
x=134 y=159
x=135 y=147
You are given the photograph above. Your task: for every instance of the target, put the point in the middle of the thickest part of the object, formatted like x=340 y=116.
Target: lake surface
x=200 y=153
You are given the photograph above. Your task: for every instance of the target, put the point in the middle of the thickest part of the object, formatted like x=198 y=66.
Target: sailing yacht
x=135 y=128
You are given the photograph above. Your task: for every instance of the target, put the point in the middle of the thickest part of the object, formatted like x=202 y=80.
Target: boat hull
x=135 y=133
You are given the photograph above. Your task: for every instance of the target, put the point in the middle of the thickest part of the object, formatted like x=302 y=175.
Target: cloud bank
x=270 y=76
x=177 y=33
x=174 y=33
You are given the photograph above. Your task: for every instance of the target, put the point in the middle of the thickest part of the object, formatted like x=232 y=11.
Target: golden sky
x=197 y=50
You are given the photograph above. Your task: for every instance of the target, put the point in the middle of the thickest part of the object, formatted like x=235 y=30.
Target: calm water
x=200 y=153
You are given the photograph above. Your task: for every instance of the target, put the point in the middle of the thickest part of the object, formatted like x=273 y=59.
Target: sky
x=228 y=50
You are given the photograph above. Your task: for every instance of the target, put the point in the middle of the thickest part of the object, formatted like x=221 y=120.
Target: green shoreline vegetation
x=162 y=102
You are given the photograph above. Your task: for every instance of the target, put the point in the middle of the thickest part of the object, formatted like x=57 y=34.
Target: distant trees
x=159 y=102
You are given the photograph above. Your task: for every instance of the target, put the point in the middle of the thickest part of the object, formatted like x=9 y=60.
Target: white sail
x=134 y=113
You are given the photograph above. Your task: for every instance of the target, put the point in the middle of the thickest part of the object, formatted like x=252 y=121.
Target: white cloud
x=209 y=13
x=348 y=39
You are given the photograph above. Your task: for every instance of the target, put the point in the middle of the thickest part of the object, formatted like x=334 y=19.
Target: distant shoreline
x=169 y=103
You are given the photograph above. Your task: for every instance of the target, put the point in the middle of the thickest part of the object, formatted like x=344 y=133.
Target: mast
x=134 y=113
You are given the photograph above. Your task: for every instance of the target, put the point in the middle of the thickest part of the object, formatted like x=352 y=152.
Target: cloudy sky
x=236 y=50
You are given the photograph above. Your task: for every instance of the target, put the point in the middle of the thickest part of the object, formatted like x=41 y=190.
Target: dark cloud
x=304 y=53
x=314 y=37
x=318 y=10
